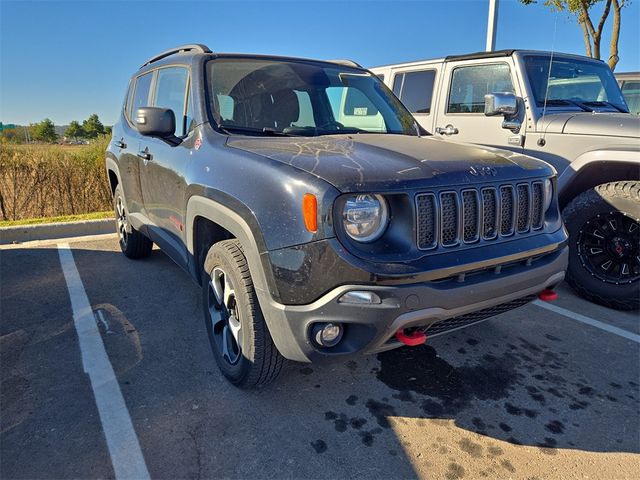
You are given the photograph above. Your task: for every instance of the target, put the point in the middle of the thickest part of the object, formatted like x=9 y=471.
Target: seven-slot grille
x=452 y=217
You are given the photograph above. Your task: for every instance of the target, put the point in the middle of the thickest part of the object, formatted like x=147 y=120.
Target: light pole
x=492 y=24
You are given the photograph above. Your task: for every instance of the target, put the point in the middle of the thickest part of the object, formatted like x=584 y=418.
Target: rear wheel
x=604 y=248
x=238 y=334
x=132 y=243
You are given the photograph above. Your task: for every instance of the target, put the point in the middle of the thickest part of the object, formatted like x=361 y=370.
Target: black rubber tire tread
x=265 y=361
x=138 y=245
x=578 y=211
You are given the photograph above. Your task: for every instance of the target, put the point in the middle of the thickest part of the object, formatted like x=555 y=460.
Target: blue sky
x=66 y=60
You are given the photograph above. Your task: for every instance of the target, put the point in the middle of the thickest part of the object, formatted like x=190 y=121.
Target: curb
x=45 y=231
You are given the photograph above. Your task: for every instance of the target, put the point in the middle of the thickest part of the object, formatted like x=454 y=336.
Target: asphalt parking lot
x=529 y=394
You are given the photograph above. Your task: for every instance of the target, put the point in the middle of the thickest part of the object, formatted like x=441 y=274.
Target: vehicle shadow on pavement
x=515 y=384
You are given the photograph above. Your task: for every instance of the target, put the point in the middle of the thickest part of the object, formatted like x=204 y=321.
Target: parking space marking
x=589 y=321
x=122 y=442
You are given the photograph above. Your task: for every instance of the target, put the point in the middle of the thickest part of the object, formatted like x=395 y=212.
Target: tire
x=604 y=231
x=132 y=243
x=238 y=334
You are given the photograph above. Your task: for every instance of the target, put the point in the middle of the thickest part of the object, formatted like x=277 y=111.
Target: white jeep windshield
x=306 y=98
x=584 y=84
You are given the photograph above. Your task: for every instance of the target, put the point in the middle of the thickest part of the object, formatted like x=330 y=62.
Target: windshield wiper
x=608 y=104
x=564 y=101
x=268 y=131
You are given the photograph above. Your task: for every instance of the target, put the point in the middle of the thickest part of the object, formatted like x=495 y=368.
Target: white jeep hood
x=587 y=123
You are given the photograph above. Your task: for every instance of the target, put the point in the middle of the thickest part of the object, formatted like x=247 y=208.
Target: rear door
x=460 y=113
x=128 y=141
x=415 y=87
x=162 y=173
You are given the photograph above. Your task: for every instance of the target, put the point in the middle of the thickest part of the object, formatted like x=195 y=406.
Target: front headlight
x=548 y=194
x=365 y=217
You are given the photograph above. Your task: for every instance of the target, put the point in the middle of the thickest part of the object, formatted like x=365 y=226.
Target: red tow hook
x=548 y=295
x=411 y=339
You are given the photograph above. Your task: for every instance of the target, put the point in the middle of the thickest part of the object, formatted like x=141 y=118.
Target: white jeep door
x=460 y=109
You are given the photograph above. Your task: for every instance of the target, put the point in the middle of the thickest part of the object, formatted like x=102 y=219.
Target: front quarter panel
x=267 y=193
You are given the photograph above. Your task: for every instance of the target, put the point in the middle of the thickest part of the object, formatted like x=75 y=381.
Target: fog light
x=360 y=297
x=327 y=334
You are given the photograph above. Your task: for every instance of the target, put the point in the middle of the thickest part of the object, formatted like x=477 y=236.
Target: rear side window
x=141 y=93
x=171 y=90
x=470 y=84
x=415 y=90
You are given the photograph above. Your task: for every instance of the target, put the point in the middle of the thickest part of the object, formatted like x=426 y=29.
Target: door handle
x=448 y=130
x=120 y=144
x=145 y=155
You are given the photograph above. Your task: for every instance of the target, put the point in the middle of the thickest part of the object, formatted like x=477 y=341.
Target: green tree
x=45 y=131
x=582 y=10
x=108 y=131
x=92 y=126
x=74 y=130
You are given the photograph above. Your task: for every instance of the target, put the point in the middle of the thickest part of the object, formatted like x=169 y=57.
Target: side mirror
x=157 y=122
x=505 y=104
x=500 y=104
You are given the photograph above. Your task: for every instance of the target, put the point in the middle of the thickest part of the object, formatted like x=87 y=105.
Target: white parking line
x=126 y=455
x=589 y=321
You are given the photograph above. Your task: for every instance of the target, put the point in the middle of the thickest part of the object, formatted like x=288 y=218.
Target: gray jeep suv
x=313 y=237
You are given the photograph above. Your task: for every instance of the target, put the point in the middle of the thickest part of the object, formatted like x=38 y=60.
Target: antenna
x=542 y=140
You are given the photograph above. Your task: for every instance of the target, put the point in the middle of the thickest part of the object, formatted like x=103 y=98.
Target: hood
x=591 y=123
x=383 y=162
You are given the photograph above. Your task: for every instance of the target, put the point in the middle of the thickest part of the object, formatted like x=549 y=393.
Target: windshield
x=287 y=97
x=573 y=82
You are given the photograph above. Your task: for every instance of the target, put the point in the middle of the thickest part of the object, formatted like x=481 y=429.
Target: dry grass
x=52 y=180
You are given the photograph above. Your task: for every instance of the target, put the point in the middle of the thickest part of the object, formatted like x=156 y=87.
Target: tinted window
x=397 y=84
x=415 y=89
x=141 y=95
x=171 y=88
x=631 y=92
x=470 y=84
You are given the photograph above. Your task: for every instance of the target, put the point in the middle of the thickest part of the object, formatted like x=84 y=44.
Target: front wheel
x=238 y=334
x=604 y=244
x=132 y=243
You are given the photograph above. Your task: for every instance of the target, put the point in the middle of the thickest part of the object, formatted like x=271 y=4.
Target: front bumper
x=371 y=328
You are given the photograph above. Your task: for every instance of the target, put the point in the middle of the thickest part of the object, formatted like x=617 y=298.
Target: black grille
x=506 y=210
x=537 y=201
x=489 y=213
x=470 y=216
x=443 y=326
x=449 y=218
x=426 y=221
x=523 y=208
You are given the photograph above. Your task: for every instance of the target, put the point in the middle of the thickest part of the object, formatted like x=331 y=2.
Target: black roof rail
x=194 y=47
x=347 y=62
x=473 y=56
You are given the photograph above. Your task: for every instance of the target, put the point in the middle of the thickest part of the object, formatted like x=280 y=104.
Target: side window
x=127 y=98
x=415 y=90
x=141 y=94
x=171 y=88
x=470 y=84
